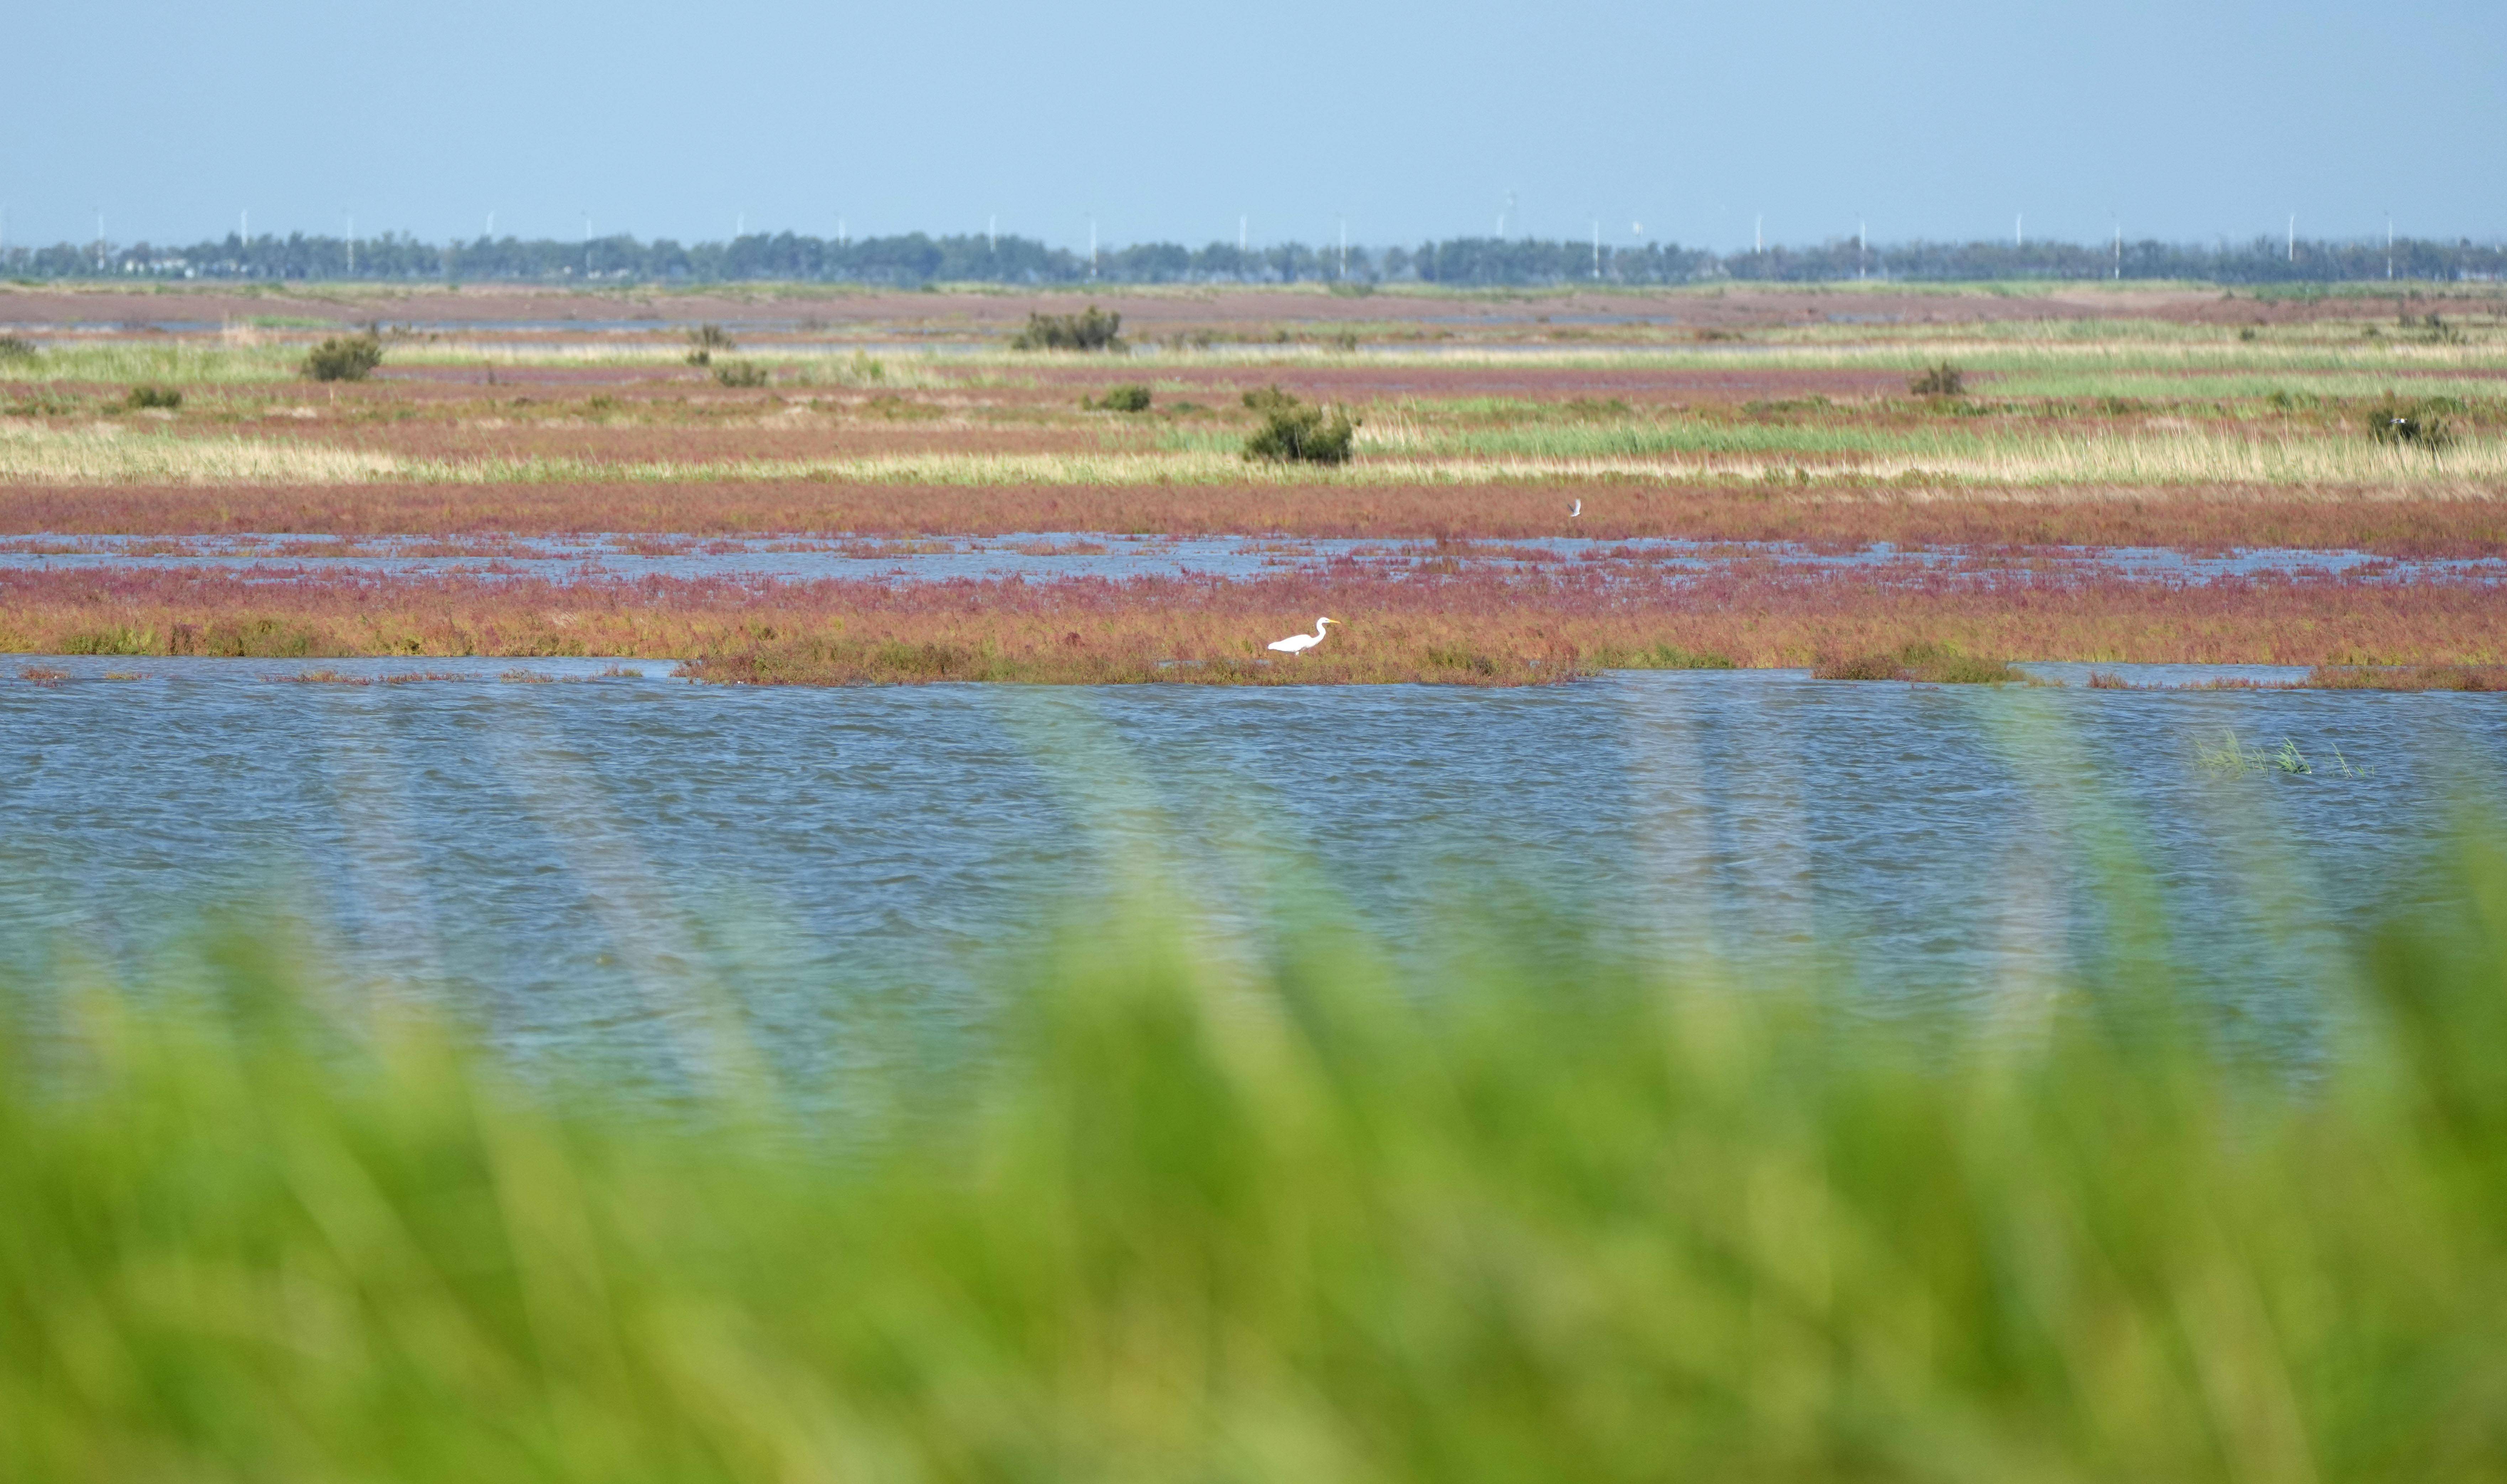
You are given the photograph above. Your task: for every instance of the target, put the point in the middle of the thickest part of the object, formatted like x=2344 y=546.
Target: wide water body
x=607 y=864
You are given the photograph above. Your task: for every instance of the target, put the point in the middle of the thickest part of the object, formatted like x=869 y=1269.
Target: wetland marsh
x=2137 y=475
x=528 y=951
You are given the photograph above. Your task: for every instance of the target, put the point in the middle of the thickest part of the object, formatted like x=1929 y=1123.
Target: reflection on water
x=595 y=864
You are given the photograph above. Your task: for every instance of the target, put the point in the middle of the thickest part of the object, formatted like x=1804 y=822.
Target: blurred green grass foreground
x=1293 y=1223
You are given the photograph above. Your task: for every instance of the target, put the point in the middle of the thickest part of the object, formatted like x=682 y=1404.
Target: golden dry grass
x=112 y=453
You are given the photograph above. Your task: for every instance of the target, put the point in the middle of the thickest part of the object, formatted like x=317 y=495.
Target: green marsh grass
x=1976 y=349
x=106 y=452
x=1924 y=663
x=2407 y=677
x=2215 y=386
x=175 y=365
x=1668 y=452
x=1565 y=1217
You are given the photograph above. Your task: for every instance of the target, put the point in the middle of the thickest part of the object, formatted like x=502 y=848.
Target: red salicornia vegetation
x=2147 y=518
x=1472 y=625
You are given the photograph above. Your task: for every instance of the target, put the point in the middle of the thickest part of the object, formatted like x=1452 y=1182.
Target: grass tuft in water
x=1924 y=663
x=2407 y=677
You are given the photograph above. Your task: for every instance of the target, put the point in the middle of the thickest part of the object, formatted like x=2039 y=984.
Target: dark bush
x=1674 y=656
x=264 y=638
x=1093 y=329
x=740 y=374
x=16 y=348
x=1130 y=397
x=1942 y=380
x=1929 y=663
x=344 y=358
x=703 y=340
x=1870 y=667
x=1463 y=660
x=2438 y=331
x=1292 y=432
x=2410 y=425
x=148 y=395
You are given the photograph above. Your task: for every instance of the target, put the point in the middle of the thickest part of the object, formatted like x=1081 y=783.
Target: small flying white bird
x=1578 y=511
x=1299 y=643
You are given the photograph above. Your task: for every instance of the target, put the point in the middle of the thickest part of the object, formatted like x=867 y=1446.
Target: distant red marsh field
x=2200 y=519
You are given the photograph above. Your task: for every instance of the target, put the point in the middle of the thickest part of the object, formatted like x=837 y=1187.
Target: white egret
x=1299 y=643
x=1577 y=511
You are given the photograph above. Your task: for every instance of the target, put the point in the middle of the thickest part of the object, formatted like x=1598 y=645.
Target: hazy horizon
x=1682 y=125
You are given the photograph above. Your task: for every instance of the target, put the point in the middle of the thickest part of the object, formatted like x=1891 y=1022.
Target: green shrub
x=1466 y=660
x=2437 y=332
x=1093 y=329
x=1293 y=432
x=703 y=340
x=16 y=348
x=1942 y=380
x=1130 y=397
x=1870 y=667
x=264 y=638
x=1927 y=663
x=149 y=395
x=2410 y=425
x=344 y=358
x=740 y=374
x=1673 y=657
x=114 y=641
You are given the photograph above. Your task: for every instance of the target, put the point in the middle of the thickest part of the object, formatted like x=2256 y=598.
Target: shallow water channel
x=594 y=860
x=1043 y=556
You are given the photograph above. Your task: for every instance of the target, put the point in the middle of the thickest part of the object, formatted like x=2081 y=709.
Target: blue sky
x=1410 y=120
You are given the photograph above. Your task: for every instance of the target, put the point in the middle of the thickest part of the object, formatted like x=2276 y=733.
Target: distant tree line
x=916 y=259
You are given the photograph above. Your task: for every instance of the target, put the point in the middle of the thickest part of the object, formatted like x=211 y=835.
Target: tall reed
x=1552 y=1215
